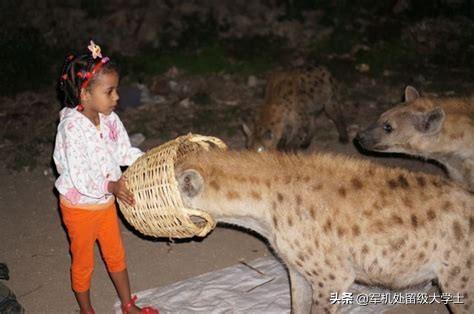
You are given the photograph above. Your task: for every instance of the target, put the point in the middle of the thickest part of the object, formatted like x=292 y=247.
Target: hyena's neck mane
x=249 y=167
x=455 y=105
x=271 y=169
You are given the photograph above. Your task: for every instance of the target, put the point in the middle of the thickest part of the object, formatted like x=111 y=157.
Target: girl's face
x=102 y=96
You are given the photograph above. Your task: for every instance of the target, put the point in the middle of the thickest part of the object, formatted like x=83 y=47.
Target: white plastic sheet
x=261 y=287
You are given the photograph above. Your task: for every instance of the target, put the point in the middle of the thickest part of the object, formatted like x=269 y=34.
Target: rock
x=185 y=103
x=420 y=79
x=173 y=72
x=185 y=89
x=401 y=6
x=160 y=86
x=252 y=81
x=148 y=98
x=174 y=86
x=8 y=302
x=136 y=139
x=372 y=105
x=363 y=67
x=432 y=34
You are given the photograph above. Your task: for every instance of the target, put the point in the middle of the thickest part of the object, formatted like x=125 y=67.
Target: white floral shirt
x=88 y=157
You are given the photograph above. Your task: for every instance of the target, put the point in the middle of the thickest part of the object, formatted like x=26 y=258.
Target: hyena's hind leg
x=301 y=293
x=458 y=279
x=334 y=112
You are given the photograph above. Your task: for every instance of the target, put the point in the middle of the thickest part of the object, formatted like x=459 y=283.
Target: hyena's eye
x=387 y=127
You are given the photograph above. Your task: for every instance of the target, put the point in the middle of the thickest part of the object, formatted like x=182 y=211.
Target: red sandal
x=145 y=310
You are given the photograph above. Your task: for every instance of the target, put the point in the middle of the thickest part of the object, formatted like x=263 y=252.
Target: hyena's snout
x=368 y=138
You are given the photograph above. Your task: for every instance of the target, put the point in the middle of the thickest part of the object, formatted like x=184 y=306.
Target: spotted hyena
x=335 y=220
x=434 y=128
x=293 y=99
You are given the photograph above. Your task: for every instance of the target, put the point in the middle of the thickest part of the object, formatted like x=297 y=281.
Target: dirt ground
x=34 y=243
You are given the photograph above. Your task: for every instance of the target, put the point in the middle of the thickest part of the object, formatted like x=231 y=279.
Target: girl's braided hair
x=73 y=76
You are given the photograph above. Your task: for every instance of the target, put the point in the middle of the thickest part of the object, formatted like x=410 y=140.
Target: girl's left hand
x=119 y=189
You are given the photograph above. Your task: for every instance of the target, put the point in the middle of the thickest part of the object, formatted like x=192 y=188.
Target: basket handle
x=203 y=141
x=210 y=222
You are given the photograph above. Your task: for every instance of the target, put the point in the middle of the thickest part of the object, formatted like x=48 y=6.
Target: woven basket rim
x=173 y=219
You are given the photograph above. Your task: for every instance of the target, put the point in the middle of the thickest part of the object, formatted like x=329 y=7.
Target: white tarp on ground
x=259 y=287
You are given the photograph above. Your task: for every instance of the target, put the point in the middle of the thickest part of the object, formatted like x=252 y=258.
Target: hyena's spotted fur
x=435 y=128
x=293 y=99
x=335 y=220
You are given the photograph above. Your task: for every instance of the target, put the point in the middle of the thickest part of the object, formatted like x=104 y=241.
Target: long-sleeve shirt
x=89 y=157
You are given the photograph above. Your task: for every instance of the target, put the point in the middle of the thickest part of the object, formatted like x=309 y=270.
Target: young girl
x=91 y=145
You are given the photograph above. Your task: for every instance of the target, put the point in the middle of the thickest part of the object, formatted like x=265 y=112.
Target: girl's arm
x=126 y=153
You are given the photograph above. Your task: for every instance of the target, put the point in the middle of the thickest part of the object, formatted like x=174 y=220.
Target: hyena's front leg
x=324 y=286
x=301 y=293
x=457 y=279
x=334 y=112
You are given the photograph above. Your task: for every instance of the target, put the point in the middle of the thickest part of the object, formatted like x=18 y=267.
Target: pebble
x=252 y=81
x=185 y=103
x=136 y=139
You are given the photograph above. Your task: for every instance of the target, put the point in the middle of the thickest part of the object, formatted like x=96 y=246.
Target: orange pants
x=86 y=225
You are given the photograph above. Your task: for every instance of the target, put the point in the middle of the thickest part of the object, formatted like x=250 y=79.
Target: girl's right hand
x=119 y=189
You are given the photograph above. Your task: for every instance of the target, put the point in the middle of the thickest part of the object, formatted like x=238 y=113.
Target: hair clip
x=94 y=49
x=64 y=77
x=86 y=76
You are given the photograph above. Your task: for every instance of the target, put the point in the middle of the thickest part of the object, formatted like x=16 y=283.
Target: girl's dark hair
x=69 y=83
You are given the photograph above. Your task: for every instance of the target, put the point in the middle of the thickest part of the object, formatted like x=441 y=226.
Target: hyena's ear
x=430 y=122
x=411 y=93
x=190 y=183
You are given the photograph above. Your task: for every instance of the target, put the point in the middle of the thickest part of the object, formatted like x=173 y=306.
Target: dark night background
x=391 y=42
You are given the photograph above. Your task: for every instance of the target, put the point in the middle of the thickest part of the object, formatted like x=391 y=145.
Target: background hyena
x=436 y=128
x=335 y=220
x=293 y=99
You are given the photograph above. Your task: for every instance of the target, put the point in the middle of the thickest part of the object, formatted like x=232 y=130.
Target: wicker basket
x=159 y=210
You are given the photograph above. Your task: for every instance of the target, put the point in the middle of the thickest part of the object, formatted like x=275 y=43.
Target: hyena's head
x=406 y=128
x=267 y=131
x=195 y=193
